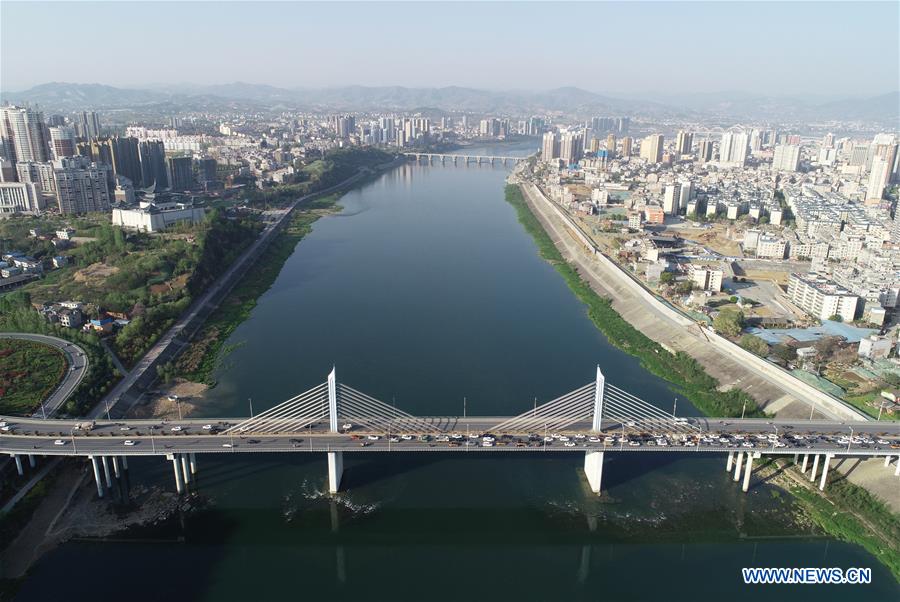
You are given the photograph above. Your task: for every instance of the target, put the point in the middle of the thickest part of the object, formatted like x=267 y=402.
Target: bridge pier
x=825 y=471
x=185 y=470
x=730 y=462
x=193 y=462
x=106 y=472
x=124 y=462
x=335 y=471
x=738 y=464
x=805 y=461
x=19 y=468
x=796 y=458
x=115 y=461
x=31 y=461
x=176 y=466
x=815 y=468
x=97 y=480
x=897 y=470
x=887 y=461
x=749 y=468
x=593 y=469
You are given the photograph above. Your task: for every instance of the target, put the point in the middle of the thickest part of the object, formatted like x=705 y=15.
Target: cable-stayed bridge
x=334 y=418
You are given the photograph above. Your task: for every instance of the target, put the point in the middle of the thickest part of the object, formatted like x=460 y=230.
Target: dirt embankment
x=177 y=399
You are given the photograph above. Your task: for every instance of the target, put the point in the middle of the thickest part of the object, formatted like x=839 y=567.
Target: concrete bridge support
x=193 y=463
x=887 y=461
x=176 y=466
x=31 y=461
x=825 y=471
x=335 y=471
x=97 y=481
x=815 y=468
x=106 y=472
x=796 y=458
x=897 y=470
x=593 y=469
x=730 y=462
x=19 y=467
x=124 y=462
x=115 y=462
x=186 y=472
x=737 y=470
x=749 y=468
x=805 y=461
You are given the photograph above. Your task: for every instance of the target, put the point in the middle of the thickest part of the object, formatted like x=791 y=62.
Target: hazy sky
x=832 y=48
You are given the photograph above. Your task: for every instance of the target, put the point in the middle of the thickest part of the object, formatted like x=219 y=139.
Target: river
x=425 y=291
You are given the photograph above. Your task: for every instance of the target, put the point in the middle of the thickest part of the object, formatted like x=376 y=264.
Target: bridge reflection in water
x=334 y=418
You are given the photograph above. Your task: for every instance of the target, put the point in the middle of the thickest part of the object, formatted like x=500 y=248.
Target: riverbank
x=198 y=362
x=680 y=369
x=843 y=510
x=689 y=377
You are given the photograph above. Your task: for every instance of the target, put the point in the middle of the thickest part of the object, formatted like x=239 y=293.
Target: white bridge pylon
x=337 y=404
x=594 y=403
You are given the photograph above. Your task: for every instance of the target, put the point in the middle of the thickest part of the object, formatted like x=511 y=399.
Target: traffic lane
x=486 y=423
x=185 y=443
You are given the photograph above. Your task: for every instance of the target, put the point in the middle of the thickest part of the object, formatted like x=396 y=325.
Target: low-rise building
x=154 y=218
x=706 y=278
x=875 y=347
x=821 y=297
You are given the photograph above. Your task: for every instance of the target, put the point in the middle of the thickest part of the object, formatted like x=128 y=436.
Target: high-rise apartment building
x=87 y=125
x=180 y=174
x=81 y=185
x=733 y=148
x=611 y=145
x=153 y=164
x=652 y=148
x=62 y=141
x=786 y=157
x=684 y=143
x=571 y=147
x=22 y=130
x=627 y=143
x=550 y=146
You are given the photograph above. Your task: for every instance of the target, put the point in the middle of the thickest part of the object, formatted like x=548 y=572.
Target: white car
x=406 y=437
x=569 y=444
x=634 y=443
x=207 y=427
x=124 y=428
x=129 y=443
x=347 y=426
x=226 y=445
x=59 y=442
x=487 y=444
x=373 y=437
x=395 y=439
x=175 y=429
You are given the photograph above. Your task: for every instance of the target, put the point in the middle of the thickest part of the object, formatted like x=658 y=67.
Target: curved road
x=78 y=366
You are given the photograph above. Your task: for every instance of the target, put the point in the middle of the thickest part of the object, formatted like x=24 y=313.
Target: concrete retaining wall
x=823 y=402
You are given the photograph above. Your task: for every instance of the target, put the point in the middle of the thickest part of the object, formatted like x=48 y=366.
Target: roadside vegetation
x=680 y=369
x=29 y=372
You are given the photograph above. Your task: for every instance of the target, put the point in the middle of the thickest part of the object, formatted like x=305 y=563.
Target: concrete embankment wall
x=823 y=402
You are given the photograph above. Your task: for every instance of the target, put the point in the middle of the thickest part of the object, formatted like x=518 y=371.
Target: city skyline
x=672 y=50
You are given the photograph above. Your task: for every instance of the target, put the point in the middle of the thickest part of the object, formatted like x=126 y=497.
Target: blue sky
x=827 y=48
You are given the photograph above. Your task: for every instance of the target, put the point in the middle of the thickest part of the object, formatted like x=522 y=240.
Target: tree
x=729 y=322
x=754 y=344
x=667 y=277
x=784 y=352
x=685 y=287
x=826 y=347
x=836 y=318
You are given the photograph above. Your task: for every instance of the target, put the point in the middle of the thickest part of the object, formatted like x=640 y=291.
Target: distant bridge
x=455 y=159
x=332 y=418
